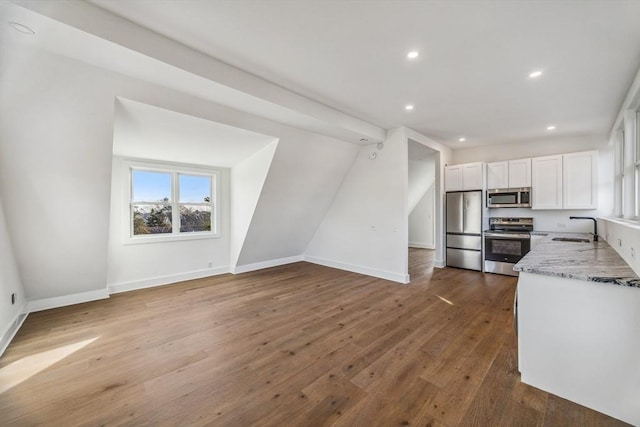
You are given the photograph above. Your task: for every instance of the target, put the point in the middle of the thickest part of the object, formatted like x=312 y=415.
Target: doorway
x=421 y=195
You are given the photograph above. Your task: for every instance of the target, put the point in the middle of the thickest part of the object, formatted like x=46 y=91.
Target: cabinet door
x=580 y=174
x=497 y=175
x=546 y=185
x=472 y=177
x=520 y=173
x=453 y=178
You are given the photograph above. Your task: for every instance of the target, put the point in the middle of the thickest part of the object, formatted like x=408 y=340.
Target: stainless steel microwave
x=509 y=198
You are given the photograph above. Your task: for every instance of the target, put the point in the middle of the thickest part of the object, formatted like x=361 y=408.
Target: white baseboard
x=55 y=302
x=439 y=263
x=12 y=329
x=266 y=264
x=368 y=271
x=421 y=245
x=133 y=285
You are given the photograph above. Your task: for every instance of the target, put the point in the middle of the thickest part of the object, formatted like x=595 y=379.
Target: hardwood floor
x=298 y=345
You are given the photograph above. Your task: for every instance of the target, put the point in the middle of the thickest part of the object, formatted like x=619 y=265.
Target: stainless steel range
x=505 y=243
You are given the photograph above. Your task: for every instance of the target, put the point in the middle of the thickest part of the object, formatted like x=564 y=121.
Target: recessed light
x=535 y=74
x=413 y=54
x=21 y=28
x=462 y=139
x=408 y=107
x=551 y=127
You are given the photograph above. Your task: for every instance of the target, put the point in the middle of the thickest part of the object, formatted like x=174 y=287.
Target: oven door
x=506 y=247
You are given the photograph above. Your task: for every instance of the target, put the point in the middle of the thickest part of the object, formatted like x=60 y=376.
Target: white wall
x=551 y=220
x=422 y=222
x=536 y=148
x=134 y=266
x=55 y=146
x=10 y=283
x=623 y=236
x=247 y=181
x=303 y=179
x=421 y=197
x=56 y=157
x=421 y=178
x=365 y=230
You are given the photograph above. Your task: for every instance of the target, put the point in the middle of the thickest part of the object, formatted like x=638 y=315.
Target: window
x=171 y=203
x=619 y=173
x=627 y=166
x=636 y=165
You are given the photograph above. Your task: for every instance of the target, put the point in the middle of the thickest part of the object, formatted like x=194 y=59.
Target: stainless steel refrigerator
x=464 y=229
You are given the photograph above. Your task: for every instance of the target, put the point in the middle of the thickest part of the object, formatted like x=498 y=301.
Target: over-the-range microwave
x=509 y=198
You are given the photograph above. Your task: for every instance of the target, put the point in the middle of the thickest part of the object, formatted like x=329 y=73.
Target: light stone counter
x=593 y=261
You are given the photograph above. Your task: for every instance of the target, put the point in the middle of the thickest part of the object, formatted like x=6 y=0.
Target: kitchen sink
x=571 y=239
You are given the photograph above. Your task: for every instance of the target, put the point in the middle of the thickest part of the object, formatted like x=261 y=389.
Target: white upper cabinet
x=509 y=174
x=566 y=181
x=580 y=185
x=453 y=178
x=468 y=176
x=546 y=185
x=519 y=173
x=498 y=175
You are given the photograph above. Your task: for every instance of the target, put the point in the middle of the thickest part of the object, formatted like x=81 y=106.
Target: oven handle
x=508 y=236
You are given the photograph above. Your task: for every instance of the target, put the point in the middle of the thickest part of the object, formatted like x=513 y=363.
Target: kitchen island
x=578 y=324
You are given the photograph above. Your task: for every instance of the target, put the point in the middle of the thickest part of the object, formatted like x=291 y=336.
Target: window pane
x=151 y=219
x=151 y=186
x=195 y=189
x=195 y=218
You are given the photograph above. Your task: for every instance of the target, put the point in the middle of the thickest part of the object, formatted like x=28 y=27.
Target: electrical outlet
x=13 y=298
x=372 y=228
x=633 y=253
x=562 y=225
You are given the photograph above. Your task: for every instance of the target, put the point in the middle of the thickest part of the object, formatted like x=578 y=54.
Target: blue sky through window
x=151 y=186
x=194 y=189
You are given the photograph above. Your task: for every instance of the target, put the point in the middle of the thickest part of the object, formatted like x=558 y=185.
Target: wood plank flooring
x=298 y=345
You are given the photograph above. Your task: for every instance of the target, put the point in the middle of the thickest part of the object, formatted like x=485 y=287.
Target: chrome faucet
x=595 y=225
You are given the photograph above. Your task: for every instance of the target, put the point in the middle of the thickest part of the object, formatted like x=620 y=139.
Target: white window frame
x=175 y=169
x=636 y=164
x=618 y=174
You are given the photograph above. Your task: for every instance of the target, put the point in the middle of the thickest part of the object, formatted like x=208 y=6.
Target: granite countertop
x=592 y=261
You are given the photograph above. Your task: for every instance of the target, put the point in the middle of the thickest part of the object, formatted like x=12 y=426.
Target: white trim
x=13 y=328
x=266 y=264
x=62 y=301
x=421 y=245
x=438 y=263
x=368 y=271
x=133 y=285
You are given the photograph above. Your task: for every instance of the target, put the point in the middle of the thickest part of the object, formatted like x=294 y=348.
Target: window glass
x=171 y=203
x=148 y=186
x=152 y=219
x=195 y=189
x=195 y=218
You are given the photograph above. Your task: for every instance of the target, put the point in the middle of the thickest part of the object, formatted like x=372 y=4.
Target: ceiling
x=470 y=79
x=147 y=132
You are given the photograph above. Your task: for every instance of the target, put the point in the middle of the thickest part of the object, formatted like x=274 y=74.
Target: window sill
x=629 y=222
x=139 y=240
